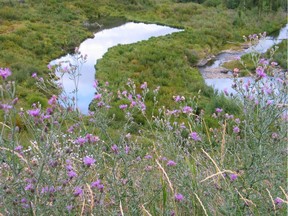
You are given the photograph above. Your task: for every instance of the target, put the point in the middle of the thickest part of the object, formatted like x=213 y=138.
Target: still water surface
x=96 y=47
x=226 y=83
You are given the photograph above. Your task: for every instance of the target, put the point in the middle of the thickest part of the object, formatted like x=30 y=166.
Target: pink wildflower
x=5 y=72
x=178 y=197
x=195 y=136
x=88 y=161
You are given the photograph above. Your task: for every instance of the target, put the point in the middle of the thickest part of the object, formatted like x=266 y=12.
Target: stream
x=96 y=47
x=132 y=32
x=213 y=74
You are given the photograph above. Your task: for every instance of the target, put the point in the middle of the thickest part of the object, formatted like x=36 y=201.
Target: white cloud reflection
x=96 y=47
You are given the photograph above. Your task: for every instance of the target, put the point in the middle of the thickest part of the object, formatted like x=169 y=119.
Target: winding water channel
x=221 y=81
x=96 y=47
x=131 y=32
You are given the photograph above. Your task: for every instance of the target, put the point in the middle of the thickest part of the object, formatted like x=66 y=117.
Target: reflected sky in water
x=96 y=47
x=268 y=42
x=226 y=83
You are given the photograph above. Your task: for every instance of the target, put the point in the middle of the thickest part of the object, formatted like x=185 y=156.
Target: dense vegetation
x=75 y=165
x=261 y=5
x=34 y=32
x=175 y=150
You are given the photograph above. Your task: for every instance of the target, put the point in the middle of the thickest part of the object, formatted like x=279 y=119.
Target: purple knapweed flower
x=178 y=98
x=123 y=106
x=88 y=161
x=278 y=201
x=266 y=89
x=195 y=136
x=236 y=129
x=15 y=101
x=100 y=104
x=260 y=72
x=187 y=109
x=233 y=177
x=24 y=200
x=171 y=163
x=218 y=110
x=6 y=107
x=71 y=174
x=148 y=157
x=143 y=106
x=263 y=61
x=269 y=102
x=43 y=117
x=49 y=111
x=52 y=100
x=29 y=187
x=95 y=83
x=91 y=138
x=229 y=116
x=124 y=93
x=100 y=187
x=226 y=91
x=34 y=112
x=133 y=104
x=144 y=85
x=18 y=148
x=45 y=189
x=5 y=72
x=97 y=96
x=178 y=197
x=80 y=141
x=114 y=148
x=97 y=184
x=78 y=191
x=127 y=149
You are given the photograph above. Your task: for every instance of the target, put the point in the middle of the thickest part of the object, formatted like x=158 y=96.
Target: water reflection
x=264 y=44
x=96 y=47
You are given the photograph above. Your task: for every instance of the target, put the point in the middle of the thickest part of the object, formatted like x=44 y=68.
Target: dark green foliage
x=232 y=4
x=281 y=55
x=220 y=100
x=37 y=98
x=192 y=57
x=195 y=1
x=212 y=3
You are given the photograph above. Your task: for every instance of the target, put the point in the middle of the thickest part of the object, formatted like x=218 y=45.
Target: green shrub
x=37 y=98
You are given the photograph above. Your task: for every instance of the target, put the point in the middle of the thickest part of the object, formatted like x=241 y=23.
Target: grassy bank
x=189 y=156
x=35 y=32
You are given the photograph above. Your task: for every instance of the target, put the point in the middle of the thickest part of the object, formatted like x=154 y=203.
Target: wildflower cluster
x=97 y=164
